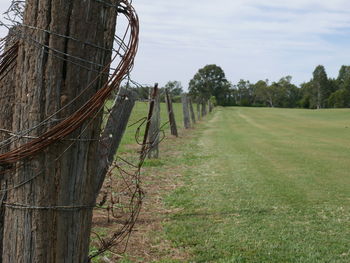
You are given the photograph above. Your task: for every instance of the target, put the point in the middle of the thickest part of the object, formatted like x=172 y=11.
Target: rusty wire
x=16 y=32
x=133 y=185
x=130 y=176
x=126 y=51
x=93 y=105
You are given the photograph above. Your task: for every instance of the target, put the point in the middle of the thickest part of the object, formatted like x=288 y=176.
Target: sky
x=248 y=39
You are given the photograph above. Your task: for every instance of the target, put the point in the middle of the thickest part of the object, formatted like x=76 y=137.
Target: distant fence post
x=204 y=108
x=210 y=106
x=193 y=116
x=198 y=111
x=153 y=137
x=187 y=121
x=172 y=122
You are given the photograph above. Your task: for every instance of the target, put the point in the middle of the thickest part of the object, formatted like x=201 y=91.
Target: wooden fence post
x=113 y=133
x=7 y=101
x=198 y=111
x=45 y=85
x=193 y=117
x=204 y=108
x=172 y=122
x=186 y=113
x=153 y=137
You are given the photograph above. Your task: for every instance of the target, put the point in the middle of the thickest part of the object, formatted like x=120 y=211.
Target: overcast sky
x=249 y=39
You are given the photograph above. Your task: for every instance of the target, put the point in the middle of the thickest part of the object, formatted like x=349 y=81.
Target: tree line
x=320 y=92
x=210 y=83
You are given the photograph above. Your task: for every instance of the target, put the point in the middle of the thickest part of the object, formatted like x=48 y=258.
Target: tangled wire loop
x=93 y=105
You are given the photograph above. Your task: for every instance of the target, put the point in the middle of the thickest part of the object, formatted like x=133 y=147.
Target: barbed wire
x=135 y=191
x=19 y=33
x=60 y=130
x=97 y=101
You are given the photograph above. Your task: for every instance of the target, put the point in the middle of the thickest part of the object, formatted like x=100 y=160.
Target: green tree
x=321 y=88
x=260 y=89
x=210 y=81
x=309 y=98
x=271 y=95
x=244 y=95
x=289 y=94
x=343 y=76
x=174 y=87
x=340 y=99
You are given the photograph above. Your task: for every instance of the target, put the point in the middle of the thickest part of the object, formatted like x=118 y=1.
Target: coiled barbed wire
x=94 y=104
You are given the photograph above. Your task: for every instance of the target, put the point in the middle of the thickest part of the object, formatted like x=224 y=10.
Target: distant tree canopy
x=210 y=81
x=319 y=92
x=174 y=87
x=324 y=92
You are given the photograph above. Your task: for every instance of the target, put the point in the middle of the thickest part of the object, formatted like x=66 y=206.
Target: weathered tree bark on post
x=185 y=110
x=172 y=122
x=193 y=117
x=153 y=137
x=7 y=100
x=113 y=133
x=65 y=174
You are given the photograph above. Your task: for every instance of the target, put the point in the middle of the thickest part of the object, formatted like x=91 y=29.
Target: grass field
x=264 y=185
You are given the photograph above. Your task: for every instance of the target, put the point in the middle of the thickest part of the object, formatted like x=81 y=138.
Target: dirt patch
x=147 y=242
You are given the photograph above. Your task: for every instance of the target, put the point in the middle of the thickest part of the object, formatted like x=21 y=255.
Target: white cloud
x=250 y=39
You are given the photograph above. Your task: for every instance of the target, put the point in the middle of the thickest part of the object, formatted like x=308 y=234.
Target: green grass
x=102 y=233
x=265 y=185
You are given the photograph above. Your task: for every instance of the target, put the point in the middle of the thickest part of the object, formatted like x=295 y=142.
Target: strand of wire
x=121 y=46
x=69 y=125
x=136 y=196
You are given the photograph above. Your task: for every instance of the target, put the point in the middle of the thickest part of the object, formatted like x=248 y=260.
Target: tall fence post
x=46 y=84
x=7 y=101
x=153 y=137
x=193 y=117
x=172 y=122
x=186 y=113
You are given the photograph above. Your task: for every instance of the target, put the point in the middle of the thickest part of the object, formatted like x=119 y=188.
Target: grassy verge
x=265 y=185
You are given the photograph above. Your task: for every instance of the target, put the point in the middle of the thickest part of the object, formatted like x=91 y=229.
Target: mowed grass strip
x=266 y=185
